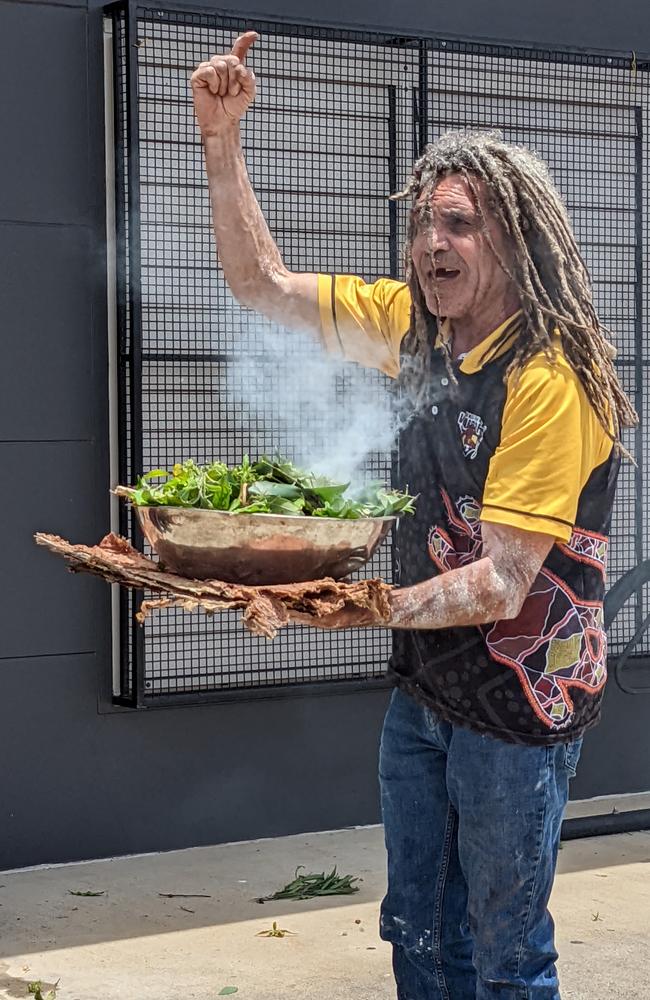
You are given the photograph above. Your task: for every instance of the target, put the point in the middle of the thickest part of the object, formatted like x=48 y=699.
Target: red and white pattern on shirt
x=587 y=547
x=557 y=642
x=461 y=543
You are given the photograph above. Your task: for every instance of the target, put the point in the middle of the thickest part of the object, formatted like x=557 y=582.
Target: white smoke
x=329 y=415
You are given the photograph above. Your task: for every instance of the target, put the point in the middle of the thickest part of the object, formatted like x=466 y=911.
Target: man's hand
x=223 y=88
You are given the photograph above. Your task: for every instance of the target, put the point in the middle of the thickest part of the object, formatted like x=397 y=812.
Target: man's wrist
x=401 y=608
x=228 y=134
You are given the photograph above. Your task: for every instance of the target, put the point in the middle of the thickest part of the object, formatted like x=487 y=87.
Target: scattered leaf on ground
x=78 y=892
x=185 y=895
x=596 y=915
x=36 y=990
x=311 y=886
x=227 y=990
x=187 y=909
x=275 y=931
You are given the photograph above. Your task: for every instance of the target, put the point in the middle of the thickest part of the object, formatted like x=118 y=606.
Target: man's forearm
x=473 y=595
x=252 y=264
x=250 y=258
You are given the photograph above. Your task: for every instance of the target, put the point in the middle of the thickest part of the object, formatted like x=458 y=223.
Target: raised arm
x=223 y=89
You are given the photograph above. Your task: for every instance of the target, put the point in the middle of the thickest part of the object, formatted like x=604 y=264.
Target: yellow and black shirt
x=527 y=452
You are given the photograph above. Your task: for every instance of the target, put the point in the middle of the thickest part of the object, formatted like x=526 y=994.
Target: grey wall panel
x=170 y=778
x=43 y=66
x=48 y=382
x=616 y=754
x=45 y=610
x=597 y=24
x=164 y=779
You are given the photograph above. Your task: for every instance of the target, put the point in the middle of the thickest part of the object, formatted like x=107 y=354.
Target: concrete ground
x=133 y=942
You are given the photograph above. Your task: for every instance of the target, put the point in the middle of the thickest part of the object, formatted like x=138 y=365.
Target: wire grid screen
x=582 y=118
x=328 y=134
x=121 y=105
x=333 y=130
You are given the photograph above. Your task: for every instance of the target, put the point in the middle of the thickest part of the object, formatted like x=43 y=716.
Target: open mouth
x=446 y=274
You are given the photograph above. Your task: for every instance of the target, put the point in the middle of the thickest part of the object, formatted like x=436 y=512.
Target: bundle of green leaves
x=269 y=486
x=310 y=886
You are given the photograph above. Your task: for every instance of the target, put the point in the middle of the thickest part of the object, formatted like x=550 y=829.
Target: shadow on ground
x=132 y=942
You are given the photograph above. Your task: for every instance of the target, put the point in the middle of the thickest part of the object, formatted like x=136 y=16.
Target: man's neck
x=467 y=332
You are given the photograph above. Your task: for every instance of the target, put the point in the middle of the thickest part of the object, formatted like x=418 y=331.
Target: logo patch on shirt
x=472 y=430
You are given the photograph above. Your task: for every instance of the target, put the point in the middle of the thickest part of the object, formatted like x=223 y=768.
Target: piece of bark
x=326 y=603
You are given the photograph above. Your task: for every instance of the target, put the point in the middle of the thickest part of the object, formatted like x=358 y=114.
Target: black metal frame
x=129 y=312
x=125 y=22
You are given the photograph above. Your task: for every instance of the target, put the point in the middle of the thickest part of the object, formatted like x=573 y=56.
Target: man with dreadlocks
x=513 y=448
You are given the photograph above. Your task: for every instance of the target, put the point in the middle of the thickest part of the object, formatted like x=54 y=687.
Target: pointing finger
x=243 y=44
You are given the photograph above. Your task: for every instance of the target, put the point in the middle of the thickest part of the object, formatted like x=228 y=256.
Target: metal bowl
x=259 y=548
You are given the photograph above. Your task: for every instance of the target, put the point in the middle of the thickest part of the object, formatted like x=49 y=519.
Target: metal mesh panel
x=584 y=117
x=338 y=119
x=326 y=139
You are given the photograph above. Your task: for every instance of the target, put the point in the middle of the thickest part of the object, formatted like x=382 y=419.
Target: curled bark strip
x=322 y=603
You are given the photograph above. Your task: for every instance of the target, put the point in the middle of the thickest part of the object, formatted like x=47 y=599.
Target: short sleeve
x=551 y=441
x=364 y=322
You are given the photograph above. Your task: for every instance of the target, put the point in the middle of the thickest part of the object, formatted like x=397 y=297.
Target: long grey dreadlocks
x=551 y=277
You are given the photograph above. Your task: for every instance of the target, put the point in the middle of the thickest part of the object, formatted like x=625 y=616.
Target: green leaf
x=329 y=491
x=259 y=507
x=228 y=991
x=155 y=474
x=266 y=489
x=277 y=505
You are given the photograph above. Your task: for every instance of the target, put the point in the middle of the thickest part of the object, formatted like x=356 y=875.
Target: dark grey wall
x=596 y=24
x=77 y=782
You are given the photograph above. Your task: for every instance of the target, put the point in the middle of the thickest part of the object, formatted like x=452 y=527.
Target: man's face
x=458 y=271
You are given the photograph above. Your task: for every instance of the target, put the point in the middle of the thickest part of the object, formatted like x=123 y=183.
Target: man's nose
x=437 y=241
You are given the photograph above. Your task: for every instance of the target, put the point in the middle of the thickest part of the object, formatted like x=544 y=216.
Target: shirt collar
x=484 y=352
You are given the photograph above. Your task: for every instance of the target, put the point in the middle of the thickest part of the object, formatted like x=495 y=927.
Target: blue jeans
x=472 y=828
